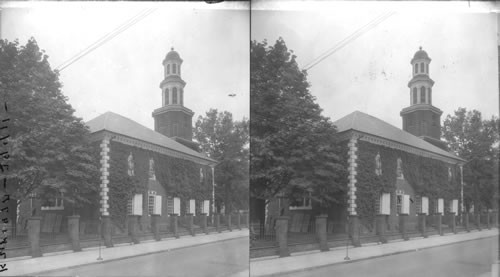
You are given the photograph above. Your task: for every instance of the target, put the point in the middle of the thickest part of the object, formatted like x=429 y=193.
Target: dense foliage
x=475 y=140
x=180 y=178
x=428 y=177
x=226 y=141
x=49 y=147
x=293 y=149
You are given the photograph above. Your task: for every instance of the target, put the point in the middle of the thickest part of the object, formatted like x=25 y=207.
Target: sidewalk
x=313 y=259
x=61 y=260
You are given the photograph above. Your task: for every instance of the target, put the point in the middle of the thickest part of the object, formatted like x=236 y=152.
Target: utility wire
x=359 y=30
x=127 y=24
x=370 y=25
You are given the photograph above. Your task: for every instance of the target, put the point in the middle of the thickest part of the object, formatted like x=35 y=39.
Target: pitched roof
x=365 y=123
x=118 y=124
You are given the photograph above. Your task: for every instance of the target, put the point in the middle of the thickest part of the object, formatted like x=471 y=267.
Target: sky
x=124 y=74
x=371 y=73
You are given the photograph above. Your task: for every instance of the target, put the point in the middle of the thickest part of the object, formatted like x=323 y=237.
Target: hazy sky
x=371 y=73
x=124 y=74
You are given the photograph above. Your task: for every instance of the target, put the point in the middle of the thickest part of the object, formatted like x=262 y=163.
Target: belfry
x=421 y=118
x=173 y=119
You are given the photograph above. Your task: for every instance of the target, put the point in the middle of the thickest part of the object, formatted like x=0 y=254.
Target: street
x=471 y=258
x=224 y=258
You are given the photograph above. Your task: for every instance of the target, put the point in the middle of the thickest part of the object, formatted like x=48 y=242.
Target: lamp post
x=213 y=193
x=347 y=242
x=100 y=238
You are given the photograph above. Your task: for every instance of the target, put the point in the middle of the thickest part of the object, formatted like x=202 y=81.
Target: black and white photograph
x=124 y=138
x=249 y=138
x=374 y=139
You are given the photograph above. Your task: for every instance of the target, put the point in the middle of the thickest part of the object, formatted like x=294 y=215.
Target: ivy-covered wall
x=178 y=177
x=426 y=176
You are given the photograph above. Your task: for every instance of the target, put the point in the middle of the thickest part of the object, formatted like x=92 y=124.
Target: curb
x=366 y=258
x=129 y=257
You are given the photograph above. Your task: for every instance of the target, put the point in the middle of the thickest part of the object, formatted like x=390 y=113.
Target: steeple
x=172 y=119
x=421 y=118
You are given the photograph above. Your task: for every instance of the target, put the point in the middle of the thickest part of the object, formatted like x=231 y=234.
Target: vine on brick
x=179 y=177
x=426 y=176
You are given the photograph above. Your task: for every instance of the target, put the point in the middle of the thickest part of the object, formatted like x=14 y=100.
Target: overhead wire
x=360 y=31
x=107 y=37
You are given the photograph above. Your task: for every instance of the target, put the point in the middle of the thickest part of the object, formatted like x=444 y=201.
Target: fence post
x=488 y=215
x=238 y=220
x=74 y=232
x=381 y=225
x=453 y=223
x=422 y=224
x=174 y=225
x=403 y=218
x=204 y=226
x=478 y=221
x=106 y=230
x=190 y=224
x=354 y=230
x=132 y=227
x=155 y=225
x=439 y=218
x=34 y=235
x=217 y=222
x=321 y=221
x=228 y=221
x=466 y=222
x=282 y=235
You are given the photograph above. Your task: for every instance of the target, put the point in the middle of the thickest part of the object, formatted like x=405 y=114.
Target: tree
x=293 y=149
x=49 y=147
x=475 y=140
x=226 y=141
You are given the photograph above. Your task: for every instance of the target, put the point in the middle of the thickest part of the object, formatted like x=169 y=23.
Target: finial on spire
x=172 y=48
x=420 y=48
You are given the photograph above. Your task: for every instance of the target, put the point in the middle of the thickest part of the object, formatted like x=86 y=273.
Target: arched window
x=151 y=174
x=181 y=97
x=416 y=68
x=167 y=95
x=422 y=95
x=174 y=69
x=130 y=161
x=421 y=68
x=378 y=165
x=430 y=96
x=399 y=169
x=174 y=96
x=427 y=68
x=168 y=69
x=415 y=99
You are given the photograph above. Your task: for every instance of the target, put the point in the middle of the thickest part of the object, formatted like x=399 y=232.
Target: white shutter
x=137 y=204
x=440 y=205
x=454 y=206
x=177 y=206
x=206 y=206
x=425 y=205
x=405 y=209
x=157 y=205
x=192 y=206
x=385 y=204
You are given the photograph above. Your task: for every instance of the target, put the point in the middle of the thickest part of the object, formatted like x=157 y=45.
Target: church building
x=391 y=171
x=146 y=172
x=160 y=171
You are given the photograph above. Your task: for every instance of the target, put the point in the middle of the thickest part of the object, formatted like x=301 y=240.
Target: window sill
x=52 y=208
x=300 y=208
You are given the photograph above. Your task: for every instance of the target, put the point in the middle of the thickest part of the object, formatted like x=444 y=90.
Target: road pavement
x=225 y=258
x=467 y=259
